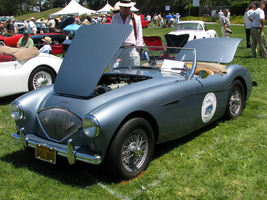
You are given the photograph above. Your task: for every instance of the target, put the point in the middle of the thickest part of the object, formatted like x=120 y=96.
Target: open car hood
x=88 y=56
x=219 y=50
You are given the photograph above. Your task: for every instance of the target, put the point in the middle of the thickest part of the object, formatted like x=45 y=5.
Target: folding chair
x=176 y=41
x=153 y=41
x=157 y=43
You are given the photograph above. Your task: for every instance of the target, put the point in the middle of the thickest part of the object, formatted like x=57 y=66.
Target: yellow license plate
x=45 y=153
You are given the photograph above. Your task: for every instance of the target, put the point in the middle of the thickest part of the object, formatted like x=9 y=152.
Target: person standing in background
x=160 y=20
x=9 y=28
x=43 y=26
x=130 y=56
x=228 y=15
x=148 y=18
x=31 y=26
x=225 y=23
x=257 y=34
x=155 y=20
x=220 y=14
x=2 y=28
x=15 y=26
x=177 y=18
x=51 y=25
x=248 y=23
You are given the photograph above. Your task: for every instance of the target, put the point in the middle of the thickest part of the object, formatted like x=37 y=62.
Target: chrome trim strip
x=92 y=159
x=171 y=102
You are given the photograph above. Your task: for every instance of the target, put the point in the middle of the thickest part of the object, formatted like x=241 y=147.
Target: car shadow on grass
x=166 y=147
x=9 y=99
x=82 y=174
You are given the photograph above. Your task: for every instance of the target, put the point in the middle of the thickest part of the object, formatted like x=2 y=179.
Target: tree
x=8 y=7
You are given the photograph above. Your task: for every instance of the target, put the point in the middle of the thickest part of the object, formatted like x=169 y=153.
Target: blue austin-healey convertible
x=102 y=111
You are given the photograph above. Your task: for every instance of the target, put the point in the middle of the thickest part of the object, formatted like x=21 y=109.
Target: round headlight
x=16 y=110
x=91 y=127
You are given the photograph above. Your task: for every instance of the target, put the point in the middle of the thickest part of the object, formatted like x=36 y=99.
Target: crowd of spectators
x=51 y=24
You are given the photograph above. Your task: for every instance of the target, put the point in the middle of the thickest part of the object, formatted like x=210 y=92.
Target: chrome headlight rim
x=91 y=126
x=16 y=110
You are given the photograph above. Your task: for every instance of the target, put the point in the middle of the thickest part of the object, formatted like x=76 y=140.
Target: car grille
x=58 y=123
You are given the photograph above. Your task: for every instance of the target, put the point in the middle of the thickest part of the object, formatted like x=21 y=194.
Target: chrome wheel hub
x=135 y=150
x=235 y=102
x=41 y=79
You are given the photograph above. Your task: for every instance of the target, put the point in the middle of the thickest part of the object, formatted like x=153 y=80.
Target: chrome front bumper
x=70 y=152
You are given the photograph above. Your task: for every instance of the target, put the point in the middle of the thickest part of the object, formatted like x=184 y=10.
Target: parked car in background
x=195 y=29
x=10 y=40
x=21 y=27
x=22 y=70
x=57 y=38
x=117 y=117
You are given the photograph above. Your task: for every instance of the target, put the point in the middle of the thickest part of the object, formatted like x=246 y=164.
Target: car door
x=176 y=116
x=10 y=78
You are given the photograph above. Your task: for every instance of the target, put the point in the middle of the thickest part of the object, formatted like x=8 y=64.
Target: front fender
x=30 y=103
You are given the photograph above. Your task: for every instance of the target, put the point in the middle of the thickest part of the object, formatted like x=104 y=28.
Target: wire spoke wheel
x=131 y=150
x=135 y=150
x=236 y=101
x=41 y=79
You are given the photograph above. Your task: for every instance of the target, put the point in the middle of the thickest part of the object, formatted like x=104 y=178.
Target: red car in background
x=10 y=41
x=145 y=23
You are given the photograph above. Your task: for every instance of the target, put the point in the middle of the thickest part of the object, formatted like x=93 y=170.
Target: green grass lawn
x=225 y=160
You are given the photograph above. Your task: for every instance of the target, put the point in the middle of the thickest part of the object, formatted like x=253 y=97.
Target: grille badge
x=44 y=120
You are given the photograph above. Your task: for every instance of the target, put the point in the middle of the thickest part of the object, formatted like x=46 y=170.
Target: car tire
x=131 y=150
x=2 y=43
x=236 y=101
x=40 y=77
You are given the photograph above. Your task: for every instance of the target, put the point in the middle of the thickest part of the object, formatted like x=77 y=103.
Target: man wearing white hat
x=130 y=56
x=47 y=45
x=31 y=26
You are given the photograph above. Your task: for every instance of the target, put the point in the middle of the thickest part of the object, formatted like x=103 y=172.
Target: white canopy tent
x=107 y=8
x=73 y=8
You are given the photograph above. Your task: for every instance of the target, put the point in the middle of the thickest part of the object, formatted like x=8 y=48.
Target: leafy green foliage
x=239 y=8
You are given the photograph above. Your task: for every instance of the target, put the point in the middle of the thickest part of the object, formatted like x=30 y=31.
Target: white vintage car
x=194 y=29
x=22 y=70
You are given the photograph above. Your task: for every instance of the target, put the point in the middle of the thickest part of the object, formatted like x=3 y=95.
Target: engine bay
x=111 y=81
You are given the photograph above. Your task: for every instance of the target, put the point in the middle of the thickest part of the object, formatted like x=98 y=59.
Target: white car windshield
x=188 y=26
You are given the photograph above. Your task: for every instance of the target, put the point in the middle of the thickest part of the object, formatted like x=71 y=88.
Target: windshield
x=188 y=26
x=163 y=59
